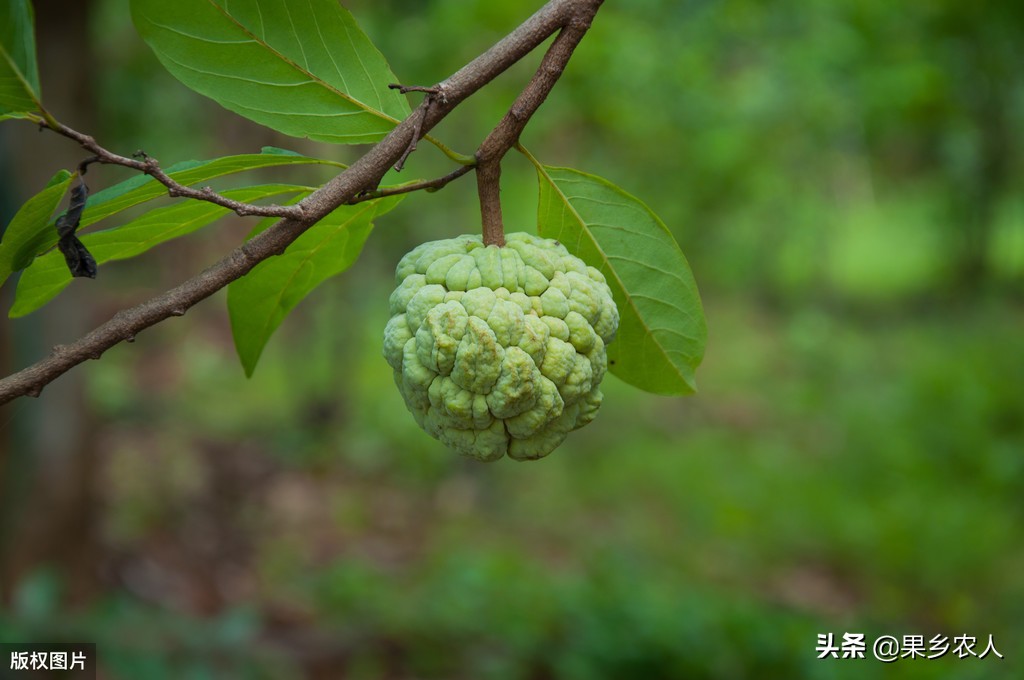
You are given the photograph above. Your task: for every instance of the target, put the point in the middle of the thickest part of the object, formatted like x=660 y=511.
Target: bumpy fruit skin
x=499 y=350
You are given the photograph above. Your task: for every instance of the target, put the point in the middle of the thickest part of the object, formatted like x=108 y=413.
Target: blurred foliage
x=854 y=490
x=844 y=178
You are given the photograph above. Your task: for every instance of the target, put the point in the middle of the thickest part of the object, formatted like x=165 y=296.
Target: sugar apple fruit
x=499 y=349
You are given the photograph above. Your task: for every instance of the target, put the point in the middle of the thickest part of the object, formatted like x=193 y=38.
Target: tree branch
x=365 y=173
x=151 y=167
x=506 y=134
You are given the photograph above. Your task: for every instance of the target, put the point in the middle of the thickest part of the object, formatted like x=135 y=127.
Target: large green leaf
x=259 y=301
x=28 y=232
x=302 y=67
x=662 y=331
x=19 y=73
x=49 y=274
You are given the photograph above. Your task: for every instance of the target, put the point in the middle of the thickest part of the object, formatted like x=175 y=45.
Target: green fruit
x=499 y=350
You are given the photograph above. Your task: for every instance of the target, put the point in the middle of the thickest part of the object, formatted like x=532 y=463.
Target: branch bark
x=570 y=17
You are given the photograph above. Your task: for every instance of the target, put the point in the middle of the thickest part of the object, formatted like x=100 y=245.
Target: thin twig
x=147 y=164
x=429 y=185
x=435 y=93
x=365 y=172
x=406 y=89
x=418 y=117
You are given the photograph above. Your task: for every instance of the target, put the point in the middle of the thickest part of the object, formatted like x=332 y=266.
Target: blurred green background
x=845 y=179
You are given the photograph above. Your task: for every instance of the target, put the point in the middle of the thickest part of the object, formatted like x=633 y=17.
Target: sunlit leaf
x=31 y=227
x=49 y=274
x=260 y=300
x=662 y=331
x=301 y=67
x=19 y=72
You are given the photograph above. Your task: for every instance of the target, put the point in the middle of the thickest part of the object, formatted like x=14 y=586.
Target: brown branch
x=364 y=173
x=149 y=165
x=506 y=134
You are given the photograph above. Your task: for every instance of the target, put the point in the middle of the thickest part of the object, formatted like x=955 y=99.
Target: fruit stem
x=488 y=184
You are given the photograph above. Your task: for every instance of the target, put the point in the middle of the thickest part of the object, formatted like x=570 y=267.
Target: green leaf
x=301 y=67
x=19 y=115
x=29 y=230
x=662 y=331
x=49 y=275
x=259 y=301
x=279 y=151
x=19 y=72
